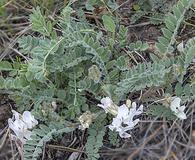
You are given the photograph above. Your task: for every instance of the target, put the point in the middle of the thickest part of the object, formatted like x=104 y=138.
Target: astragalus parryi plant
x=77 y=75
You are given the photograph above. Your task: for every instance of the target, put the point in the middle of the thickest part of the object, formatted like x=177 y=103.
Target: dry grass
x=153 y=139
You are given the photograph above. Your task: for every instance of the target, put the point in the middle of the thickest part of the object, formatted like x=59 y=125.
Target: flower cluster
x=22 y=124
x=124 y=121
x=124 y=116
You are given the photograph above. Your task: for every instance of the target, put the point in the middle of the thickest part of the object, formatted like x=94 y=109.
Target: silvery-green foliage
x=109 y=23
x=113 y=138
x=80 y=64
x=189 y=52
x=40 y=24
x=95 y=138
x=142 y=76
x=172 y=23
x=79 y=60
x=138 y=15
x=27 y=43
x=154 y=10
x=90 y=4
x=157 y=19
x=186 y=92
x=17 y=79
x=40 y=136
x=161 y=111
x=122 y=36
x=138 y=46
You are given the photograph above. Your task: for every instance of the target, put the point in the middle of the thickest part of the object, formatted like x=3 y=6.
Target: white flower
x=21 y=124
x=20 y=129
x=54 y=105
x=124 y=122
x=29 y=119
x=127 y=114
x=16 y=115
x=108 y=105
x=124 y=116
x=117 y=126
x=177 y=109
x=180 y=47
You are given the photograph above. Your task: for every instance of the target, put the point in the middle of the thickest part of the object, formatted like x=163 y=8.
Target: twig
x=6 y=52
x=4 y=139
x=122 y=5
x=142 y=146
x=15 y=50
x=12 y=148
x=169 y=149
x=185 y=145
x=3 y=6
x=139 y=25
x=62 y=148
x=44 y=146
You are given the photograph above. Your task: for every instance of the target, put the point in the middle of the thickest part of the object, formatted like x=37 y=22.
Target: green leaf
x=66 y=15
x=136 y=7
x=39 y=23
x=189 y=52
x=122 y=63
x=95 y=138
x=172 y=22
x=34 y=147
x=138 y=46
x=109 y=23
x=161 y=111
x=179 y=90
x=5 y=66
x=142 y=76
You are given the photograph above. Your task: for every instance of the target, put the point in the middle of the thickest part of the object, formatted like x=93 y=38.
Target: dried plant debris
x=97 y=80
